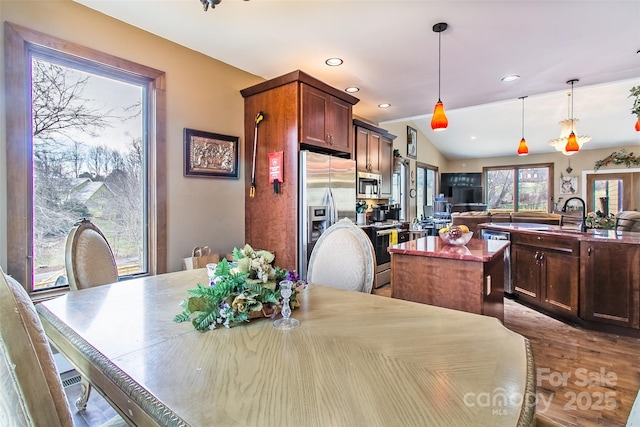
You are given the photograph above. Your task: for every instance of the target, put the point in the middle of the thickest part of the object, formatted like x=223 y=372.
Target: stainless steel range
x=380 y=235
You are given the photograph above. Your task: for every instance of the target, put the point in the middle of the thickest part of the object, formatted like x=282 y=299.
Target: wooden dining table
x=356 y=360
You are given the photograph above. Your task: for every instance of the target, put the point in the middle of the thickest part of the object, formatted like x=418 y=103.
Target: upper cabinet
x=325 y=121
x=374 y=153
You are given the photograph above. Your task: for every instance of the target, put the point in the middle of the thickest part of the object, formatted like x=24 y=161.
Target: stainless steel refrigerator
x=327 y=194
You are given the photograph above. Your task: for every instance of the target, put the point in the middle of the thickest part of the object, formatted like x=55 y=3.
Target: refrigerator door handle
x=333 y=211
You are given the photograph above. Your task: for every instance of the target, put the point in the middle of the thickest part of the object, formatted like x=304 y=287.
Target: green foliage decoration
x=244 y=289
x=635 y=91
x=618 y=158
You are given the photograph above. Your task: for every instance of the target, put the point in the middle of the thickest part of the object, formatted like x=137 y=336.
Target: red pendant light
x=439 y=120
x=523 y=150
x=638 y=124
x=572 y=144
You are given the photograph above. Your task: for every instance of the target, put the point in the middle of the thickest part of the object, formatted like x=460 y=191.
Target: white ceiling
x=391 y=53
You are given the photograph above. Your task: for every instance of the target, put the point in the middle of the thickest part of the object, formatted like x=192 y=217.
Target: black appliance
x=380 y=236
x=462 y=187
x=379 y=213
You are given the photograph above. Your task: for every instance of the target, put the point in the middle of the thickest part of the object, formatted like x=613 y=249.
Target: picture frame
x=412 y=143
x=568 y=184
x=208 y=154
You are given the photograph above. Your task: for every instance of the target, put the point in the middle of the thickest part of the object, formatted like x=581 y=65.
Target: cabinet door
x=559 y=286
x=386 y=166
x=610 y=274
x=526 y=272
x=313 y=123
x=362 y=143
x=339 y=124
x=373 y=152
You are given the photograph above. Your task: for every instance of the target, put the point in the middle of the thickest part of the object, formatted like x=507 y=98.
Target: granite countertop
x=432 y=246
x=590 y=235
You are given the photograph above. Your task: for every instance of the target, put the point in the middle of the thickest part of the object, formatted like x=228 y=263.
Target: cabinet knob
x=539 y=237
x=589 y=250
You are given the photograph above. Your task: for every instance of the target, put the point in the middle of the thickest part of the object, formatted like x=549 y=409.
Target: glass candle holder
x=286 y=322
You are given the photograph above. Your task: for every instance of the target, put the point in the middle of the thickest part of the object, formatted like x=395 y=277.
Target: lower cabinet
x=546 y=271
x=610 y=283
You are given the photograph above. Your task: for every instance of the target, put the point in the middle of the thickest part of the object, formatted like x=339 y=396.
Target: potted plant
x=397 y=159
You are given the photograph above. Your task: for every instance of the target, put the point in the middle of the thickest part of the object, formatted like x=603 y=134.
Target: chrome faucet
x=583 y=225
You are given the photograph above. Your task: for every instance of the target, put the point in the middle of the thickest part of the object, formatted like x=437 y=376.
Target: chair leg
x=81 y=403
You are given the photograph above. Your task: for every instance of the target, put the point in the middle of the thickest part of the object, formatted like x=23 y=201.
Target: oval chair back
x=89 y=260
x=343 y=257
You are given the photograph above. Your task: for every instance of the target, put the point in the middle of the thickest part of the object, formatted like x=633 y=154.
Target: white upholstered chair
x=628 y=221
x=343 y=257
x=31 y=393
x=88 y=257
x=89 y=262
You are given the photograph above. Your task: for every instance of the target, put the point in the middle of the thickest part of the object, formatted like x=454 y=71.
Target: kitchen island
x=467 y=278
x=588 y=278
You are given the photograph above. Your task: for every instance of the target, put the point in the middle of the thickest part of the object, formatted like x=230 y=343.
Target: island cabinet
x=546 y=270
x=300 y=113
x=374 y=153
x=610 y=283
x=325 y=120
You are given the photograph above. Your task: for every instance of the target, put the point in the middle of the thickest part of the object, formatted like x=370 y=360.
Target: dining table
x=355 y=360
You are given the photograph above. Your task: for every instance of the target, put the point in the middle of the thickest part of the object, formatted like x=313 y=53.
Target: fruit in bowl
x=457 y=235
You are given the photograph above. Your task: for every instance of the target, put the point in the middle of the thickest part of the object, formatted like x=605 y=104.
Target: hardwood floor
x=584 y=378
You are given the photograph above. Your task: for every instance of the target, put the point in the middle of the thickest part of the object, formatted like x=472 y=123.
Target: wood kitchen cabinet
x=325 y=121
x=610 y=283
x=374 y=153
x=545 y=272
x=299 y=112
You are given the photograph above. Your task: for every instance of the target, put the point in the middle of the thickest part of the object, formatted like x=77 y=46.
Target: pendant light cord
x=522 y=97
x=439 y=60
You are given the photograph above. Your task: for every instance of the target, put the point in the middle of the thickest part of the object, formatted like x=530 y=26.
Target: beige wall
x=202 y=93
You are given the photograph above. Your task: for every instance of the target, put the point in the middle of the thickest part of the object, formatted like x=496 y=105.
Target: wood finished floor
x=587 y=398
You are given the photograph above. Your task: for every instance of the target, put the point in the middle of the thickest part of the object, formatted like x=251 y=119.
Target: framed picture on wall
x=568 y=184
x=412 y=142
x=210 y=154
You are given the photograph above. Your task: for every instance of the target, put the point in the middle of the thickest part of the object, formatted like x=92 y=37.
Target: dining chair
x=89 y=262
x=343 y=257
x=31 y=392
x=628 y=221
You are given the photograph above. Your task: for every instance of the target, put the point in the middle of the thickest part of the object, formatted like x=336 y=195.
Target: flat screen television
x=462 y=187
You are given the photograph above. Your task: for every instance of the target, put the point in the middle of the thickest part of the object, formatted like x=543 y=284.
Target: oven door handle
x=383 y=232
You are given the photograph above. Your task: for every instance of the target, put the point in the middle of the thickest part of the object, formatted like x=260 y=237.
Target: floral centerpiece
x=246 y=289
x=600 y=220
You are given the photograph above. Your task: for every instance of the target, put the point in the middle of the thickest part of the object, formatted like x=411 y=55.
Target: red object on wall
x=275 y=166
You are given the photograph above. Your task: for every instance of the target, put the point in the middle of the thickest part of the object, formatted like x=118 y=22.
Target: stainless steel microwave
x=369 y=185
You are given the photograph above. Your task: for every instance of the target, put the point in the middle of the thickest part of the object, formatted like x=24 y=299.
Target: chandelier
x=568 y=126
x=211 y=3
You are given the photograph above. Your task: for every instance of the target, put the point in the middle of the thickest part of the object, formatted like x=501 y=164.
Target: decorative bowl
x=460 y=241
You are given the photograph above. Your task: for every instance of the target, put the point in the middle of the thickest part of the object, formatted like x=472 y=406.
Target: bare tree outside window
x=520 y=188
x=88 y=162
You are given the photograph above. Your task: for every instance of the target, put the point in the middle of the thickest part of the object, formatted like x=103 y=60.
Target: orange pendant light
x=638 y=124
x=439 y=120
x=572 y=144
x=523 y=150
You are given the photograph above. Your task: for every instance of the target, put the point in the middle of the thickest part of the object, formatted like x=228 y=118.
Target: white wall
x=202 y=93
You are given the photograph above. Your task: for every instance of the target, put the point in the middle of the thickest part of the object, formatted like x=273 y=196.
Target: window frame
x=516 y=190
x=436 y=184
x=21 y=44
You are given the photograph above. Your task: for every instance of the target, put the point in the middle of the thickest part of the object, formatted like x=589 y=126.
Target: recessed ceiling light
x=352 y=89
x=510 y=78
x=333 y=62
x=385 y=105
x=473 y=137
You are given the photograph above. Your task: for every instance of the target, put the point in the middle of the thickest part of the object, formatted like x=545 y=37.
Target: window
x=398 y=189
x=612 y=192
x=86 y=143
x=518 y=188
x=426 y=188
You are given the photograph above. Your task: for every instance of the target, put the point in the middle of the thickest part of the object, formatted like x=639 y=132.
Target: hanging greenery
x=618 y=158
x=635 y=91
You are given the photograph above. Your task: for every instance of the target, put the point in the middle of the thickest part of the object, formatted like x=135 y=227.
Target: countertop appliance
x=327 y=193
x=501 y=235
